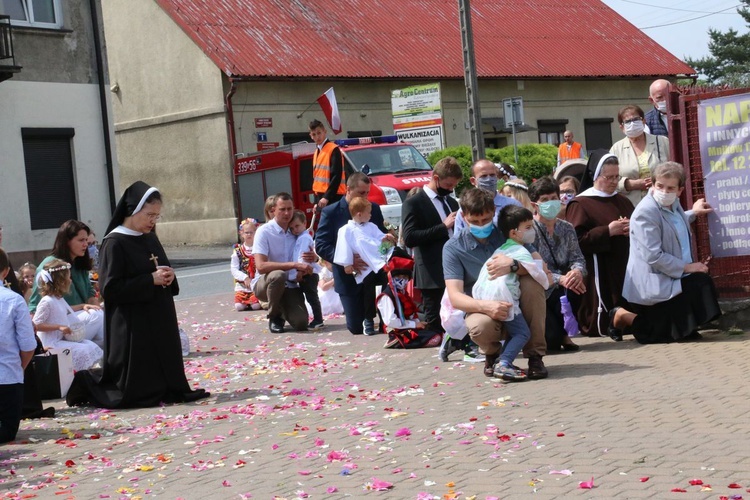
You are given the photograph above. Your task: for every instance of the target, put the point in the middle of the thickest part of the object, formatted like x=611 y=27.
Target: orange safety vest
x=568 y=154
x=322 y=169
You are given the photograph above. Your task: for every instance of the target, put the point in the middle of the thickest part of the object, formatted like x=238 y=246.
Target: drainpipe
x=103 y=105
x=232 y=147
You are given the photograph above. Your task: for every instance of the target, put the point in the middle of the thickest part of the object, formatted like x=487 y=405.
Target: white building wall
x=170 y=124
x=50 y=105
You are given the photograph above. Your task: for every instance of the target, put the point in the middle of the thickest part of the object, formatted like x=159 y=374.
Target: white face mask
x=634 y=129
x=528 y=237
x=662 y=198
x=662 y=107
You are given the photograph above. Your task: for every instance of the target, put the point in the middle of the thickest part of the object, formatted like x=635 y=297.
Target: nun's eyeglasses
x=153 y=217
x=611 y=178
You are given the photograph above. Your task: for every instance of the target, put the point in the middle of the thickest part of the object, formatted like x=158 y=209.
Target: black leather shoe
x=614 y=333
x=536 y=370
x=276 y=325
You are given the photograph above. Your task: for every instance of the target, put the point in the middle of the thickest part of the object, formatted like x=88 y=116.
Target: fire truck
x=394 y=168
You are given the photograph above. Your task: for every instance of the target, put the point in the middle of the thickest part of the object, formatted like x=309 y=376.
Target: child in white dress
x=242 y=266
x=54 y=317
x=330 y=302
x=362 y=237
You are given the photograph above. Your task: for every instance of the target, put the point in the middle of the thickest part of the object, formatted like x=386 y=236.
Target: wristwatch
x=514 y=266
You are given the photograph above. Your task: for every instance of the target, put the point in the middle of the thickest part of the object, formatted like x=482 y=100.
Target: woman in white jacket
x=670 y=293
x=638 y=153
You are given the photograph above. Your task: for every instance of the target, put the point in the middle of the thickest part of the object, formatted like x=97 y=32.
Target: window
x=598 y=133
x=551 y=131
x=354 y=134
x=295 y=137
x=50 y=182
x=40 y=13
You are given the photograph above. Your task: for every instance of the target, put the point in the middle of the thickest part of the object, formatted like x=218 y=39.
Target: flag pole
x=307 y=108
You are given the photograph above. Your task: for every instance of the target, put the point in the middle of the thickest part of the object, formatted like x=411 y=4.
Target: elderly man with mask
x=656 y=118
x=484 y=176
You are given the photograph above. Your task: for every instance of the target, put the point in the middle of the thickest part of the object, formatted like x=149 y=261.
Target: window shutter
x=49 y=176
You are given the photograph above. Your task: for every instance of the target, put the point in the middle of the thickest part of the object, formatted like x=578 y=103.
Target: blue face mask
x=549 y=209
x=481 y=231
x=488 y=183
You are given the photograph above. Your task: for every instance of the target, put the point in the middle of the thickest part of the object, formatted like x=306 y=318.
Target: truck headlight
x=391 y=195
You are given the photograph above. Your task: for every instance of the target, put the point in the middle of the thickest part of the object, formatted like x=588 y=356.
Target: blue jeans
x=518 y=333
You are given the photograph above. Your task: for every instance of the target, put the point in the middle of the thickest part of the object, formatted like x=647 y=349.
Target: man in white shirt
x=274 y=255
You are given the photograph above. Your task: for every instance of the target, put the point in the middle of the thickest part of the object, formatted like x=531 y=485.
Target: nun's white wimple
x=601 y=162
x=143 y=200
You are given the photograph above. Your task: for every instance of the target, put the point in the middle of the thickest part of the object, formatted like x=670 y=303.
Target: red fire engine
x=394 y=167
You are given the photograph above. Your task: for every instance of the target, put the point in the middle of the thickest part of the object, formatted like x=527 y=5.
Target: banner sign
x=724 y=138
x=418 y=117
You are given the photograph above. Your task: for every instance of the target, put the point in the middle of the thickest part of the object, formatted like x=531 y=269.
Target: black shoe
x=447 y=348
x=571 y=347
x=691 y=337
x=316 y=324
x=276 y=325
x=369 y=327
x=536 y=370
x=614 y=333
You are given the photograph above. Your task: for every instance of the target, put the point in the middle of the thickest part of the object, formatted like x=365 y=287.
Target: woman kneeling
x=671 y=294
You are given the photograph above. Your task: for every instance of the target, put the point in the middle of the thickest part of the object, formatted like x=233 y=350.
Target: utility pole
x=470 y=79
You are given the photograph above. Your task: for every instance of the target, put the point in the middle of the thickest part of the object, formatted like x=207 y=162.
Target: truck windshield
x=388 y=160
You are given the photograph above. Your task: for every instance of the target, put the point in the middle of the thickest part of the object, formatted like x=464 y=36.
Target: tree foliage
x=729 y=62
x=534 y=160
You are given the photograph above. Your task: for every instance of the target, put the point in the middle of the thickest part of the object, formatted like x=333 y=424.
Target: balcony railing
x=7 y=57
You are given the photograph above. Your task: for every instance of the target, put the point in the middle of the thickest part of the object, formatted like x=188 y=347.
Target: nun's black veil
x=130 y=200
x=587 y=179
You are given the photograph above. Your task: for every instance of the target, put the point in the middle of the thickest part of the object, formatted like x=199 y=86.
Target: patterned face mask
x=400 y=284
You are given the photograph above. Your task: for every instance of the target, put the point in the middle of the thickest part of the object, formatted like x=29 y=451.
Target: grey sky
x=688 y=38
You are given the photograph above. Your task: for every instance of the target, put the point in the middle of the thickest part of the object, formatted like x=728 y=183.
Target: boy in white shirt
x=309 y=283
x=362 y=237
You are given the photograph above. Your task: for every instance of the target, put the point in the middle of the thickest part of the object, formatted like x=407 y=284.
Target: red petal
x=678 y=490
x=560 y=434
x=695 y=482
x=734 y=486
x=644 y=479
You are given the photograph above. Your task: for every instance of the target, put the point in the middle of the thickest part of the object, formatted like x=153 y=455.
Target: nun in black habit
x=142 y=363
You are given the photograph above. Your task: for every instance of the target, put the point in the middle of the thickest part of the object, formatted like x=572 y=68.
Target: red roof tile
x=419 y=39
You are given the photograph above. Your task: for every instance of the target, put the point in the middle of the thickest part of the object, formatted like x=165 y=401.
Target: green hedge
x=534 y=160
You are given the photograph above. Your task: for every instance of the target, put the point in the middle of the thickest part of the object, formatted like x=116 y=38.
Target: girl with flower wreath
x=54 y=317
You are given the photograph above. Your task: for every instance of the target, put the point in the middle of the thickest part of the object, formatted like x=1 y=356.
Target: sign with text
x=418 y=116
x=724 y=132
x=265 y=146
x=263 y=122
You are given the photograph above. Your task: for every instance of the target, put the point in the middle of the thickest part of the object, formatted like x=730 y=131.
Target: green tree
x=729 y=62
x=534 y=160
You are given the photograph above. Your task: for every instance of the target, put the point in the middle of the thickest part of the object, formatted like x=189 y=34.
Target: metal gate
x=731 y=274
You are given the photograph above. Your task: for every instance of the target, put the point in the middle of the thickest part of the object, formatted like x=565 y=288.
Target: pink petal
x=586 y=485
x=404 y=431
x=379 y=485
x=331 y=489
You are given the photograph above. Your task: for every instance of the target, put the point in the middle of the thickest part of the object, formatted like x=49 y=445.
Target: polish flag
x=328 y=104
